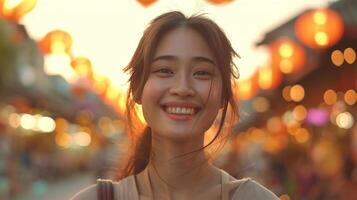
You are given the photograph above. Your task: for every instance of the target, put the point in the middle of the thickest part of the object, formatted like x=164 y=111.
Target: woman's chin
x=180 y=136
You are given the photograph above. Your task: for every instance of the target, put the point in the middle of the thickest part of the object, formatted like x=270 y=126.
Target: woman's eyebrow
x=175 y=58
x=165 y=57
x=203 y=59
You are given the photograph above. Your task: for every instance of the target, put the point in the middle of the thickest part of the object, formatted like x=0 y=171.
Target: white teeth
x=180 y=110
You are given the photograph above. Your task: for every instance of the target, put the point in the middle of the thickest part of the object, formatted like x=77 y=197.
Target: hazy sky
x=107 y=31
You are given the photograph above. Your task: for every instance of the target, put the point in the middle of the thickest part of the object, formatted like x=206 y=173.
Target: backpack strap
x=105 y=190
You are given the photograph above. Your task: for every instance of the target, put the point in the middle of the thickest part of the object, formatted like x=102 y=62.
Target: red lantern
x=146 y=3
x=319 y=28
x=56 y=42
x=287 y=55
x=14 y=10
x=219 y=2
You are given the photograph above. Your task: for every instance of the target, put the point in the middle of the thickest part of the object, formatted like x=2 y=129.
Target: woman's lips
x=180 y=116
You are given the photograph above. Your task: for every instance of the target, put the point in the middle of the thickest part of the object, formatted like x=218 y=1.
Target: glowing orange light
x=56 y=42
x=297 y=93
x=320 y=28
x=246 y=89
x=268 y=78
x=15 y=9
x=219 y=2
x=274 y=124
x=302 y=135
x=337 y=58
x=287 y=55
x=349 y=55
x=299 y=112
x=261 y=104
x=350 y=97
x=286 y=93
x=146 y=3
x=82 y=66
x=330 y=97
x=100 y=84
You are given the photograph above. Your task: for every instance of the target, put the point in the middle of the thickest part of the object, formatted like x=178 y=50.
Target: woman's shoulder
x=248 y=188
x=90 y=192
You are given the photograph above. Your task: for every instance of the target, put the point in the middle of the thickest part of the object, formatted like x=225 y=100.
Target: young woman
x=181 y=74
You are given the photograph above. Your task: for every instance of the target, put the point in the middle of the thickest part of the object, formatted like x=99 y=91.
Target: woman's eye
x=203 y=73
x=163 y=71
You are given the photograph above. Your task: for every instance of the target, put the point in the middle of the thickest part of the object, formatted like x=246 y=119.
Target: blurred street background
x=62 y=92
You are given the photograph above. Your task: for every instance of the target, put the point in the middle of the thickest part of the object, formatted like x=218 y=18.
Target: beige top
x=242 y=189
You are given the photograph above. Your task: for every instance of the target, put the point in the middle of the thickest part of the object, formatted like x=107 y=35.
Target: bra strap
x=105 y=189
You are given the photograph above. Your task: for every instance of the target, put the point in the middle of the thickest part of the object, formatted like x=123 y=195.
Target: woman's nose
x=182 y=86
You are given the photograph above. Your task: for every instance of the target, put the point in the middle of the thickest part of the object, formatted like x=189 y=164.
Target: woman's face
x=183 y=93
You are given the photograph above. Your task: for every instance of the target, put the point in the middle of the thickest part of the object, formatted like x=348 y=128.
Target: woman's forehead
x=183 y=43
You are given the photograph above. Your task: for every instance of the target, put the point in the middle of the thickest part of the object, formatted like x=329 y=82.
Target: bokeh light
x=63 y=140
x=349 y=55
x=27 y=121
x=344 y=120
x=274 y=124
x=14 y=120
x=330 y=97
x=350 y=97
x=317 y=116
x=299 y=112
x=82 y=139
x=46 y=124
x=302 y=135
x=337 y=58
x=286 y=93
x=297 y=93
x=261 y=104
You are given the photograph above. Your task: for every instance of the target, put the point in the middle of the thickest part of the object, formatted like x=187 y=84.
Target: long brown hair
x=139 y=68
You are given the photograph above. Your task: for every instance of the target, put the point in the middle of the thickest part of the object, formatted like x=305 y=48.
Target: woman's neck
x=172 y=173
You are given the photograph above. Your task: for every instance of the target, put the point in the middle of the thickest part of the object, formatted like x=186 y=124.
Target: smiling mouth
x=176 y=110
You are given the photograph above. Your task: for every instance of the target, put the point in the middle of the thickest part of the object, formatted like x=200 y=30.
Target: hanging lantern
x=268 y=77
x=146 y=3
x=287 y=55
x=219 y=2
x=247 y=88
x=56 y=42
x=14 y=10
x=319 y=28
x=82 y=66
